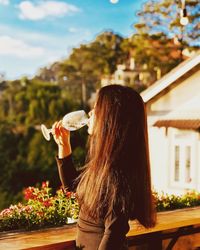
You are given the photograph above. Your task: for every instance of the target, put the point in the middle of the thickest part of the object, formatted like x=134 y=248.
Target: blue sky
x=36 y=33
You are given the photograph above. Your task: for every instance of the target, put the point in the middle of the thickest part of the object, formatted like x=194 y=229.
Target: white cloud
x=16 y=47
x=72 y=30
x=4 y=2
x=24 y=51
x=28 y=36
x=44 y=9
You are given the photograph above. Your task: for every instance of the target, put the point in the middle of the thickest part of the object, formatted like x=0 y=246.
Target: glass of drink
x=71 y=121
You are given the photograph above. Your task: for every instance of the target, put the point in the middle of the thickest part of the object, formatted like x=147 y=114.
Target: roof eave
x=170 y=77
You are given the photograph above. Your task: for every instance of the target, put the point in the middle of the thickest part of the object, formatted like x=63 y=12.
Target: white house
x=129 y=74
x=173 y=109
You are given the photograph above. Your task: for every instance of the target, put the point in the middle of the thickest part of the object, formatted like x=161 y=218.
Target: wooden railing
x=179 y=229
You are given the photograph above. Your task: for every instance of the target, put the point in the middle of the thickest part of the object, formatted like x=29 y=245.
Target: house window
x=182 y=161
x=177 y=164
x=187 y=164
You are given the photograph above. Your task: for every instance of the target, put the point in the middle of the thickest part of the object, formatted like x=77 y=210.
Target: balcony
x=179 y=229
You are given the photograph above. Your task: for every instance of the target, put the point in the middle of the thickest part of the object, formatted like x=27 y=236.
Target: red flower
x=47 y=203
x=29 y=193
x=68 y=194
x=40 y=199
x=40 y=213
x=45 y=184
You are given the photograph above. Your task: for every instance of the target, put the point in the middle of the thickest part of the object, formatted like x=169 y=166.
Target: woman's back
x=115 y=185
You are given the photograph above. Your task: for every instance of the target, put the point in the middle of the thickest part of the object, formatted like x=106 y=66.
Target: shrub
x=40 y=210
x=165 y=202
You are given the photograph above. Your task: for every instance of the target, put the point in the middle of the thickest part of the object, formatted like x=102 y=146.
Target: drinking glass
x=71 y=121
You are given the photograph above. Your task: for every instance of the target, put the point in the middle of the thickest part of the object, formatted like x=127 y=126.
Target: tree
x=25 y=157
x=86 y=65
x=160 y=39
x=154 y=54
x=34 y=102
x=163 y=16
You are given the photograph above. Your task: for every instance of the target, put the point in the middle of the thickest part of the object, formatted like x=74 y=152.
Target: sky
x=34 y=34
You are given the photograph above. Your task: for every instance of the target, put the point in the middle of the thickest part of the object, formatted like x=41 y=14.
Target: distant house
x=130 y=74
x=173 y=109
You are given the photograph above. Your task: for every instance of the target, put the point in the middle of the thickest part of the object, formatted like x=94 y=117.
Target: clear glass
x=177 y=164
x=71 y=121
x=188 y=164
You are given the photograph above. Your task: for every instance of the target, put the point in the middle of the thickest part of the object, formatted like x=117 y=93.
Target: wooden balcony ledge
x=178 y=229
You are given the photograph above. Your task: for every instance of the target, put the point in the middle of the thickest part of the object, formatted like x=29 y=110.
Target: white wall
x=178 y=95
x=198 y=160
x=161 y=145
x=158 y=147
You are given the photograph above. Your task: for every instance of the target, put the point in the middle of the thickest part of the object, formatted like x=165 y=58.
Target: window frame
x=182 y=139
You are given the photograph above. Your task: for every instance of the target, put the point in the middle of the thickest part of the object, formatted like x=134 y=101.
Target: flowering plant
x=40 y=210
x=165 y=202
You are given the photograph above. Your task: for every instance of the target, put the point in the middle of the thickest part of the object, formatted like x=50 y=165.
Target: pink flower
x=6 y=212
x=73 y=195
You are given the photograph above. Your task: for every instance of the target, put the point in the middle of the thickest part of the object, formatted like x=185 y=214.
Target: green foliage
x=160 y=39
x=41 y=209
x=156 y=44
x=153 y=53
x=87 y=64
x=165 y=202
x=34 y=102
x=163 y=16
x=26 y=158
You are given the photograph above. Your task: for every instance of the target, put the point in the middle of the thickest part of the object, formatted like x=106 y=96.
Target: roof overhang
x=181 y=124
x=170 y=77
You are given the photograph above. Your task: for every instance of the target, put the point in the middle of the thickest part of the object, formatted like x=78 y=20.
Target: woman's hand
x=62 y=138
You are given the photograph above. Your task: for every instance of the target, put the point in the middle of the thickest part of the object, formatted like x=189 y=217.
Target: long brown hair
x=117 y=176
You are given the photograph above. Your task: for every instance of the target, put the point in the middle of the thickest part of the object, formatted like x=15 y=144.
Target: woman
x=115 y=185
